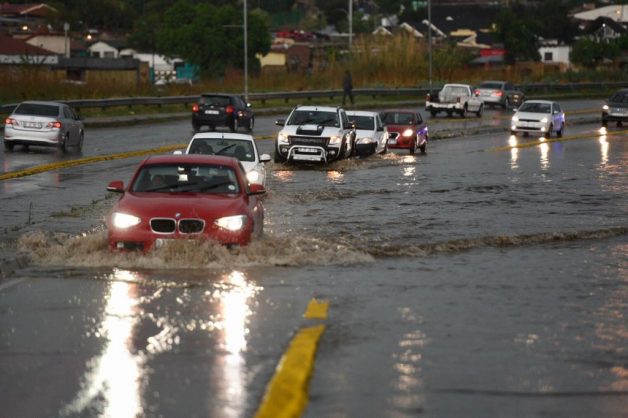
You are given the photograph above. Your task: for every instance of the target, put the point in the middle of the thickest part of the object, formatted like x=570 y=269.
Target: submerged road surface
x=486 y=278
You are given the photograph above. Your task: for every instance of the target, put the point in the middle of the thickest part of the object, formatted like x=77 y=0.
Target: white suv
x=314 y=134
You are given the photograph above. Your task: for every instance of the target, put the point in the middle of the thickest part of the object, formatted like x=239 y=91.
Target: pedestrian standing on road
x=347 y=87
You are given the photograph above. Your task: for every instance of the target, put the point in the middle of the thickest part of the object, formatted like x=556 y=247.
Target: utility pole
x=66 y=28
x=246 y=56
x=350 y=25
x=429 y=39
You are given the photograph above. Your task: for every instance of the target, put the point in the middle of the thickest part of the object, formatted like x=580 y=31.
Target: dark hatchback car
x=616 y=108
x=228 y=110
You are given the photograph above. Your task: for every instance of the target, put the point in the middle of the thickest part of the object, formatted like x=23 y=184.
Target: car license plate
x=308 y=150
x=392 y=141
x=211 y=112
x=306 y=157
x=36 y=125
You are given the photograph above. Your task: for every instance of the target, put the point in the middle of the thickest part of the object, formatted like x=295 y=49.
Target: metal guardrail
x=309 y=95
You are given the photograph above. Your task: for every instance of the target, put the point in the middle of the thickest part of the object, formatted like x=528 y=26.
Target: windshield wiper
x=224 y=149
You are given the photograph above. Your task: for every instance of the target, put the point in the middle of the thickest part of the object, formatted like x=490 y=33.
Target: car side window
x=67 y=113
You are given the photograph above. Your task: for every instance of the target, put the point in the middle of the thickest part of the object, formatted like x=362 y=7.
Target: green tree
x=211 y=37
x=520 y=42
x=590 y=53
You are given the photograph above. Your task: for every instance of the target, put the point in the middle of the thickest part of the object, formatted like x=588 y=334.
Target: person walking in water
x=347 y=87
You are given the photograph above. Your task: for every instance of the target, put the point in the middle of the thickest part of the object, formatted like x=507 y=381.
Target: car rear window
x=495 y=86
x=363 y=122
x=37 y=109
x=215 y=100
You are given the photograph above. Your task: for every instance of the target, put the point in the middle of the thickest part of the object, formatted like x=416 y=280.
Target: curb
x=8 y=266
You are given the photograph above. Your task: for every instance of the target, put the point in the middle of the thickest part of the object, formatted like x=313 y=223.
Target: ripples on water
x=91 y=250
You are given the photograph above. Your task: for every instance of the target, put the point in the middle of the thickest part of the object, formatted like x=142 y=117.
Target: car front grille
x=162 y=226
x=308 y=140
x=191 y=226
x=169 y=226
x=530 y=120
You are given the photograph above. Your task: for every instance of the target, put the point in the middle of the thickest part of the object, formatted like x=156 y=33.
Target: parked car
x=616 y=108
x=314 y=134
x=406 y=130
x=500 y=93
x=240 y=146
x=539 y=116
x=454 y=98
x=228 y=110
x=183 y=197
x=371 y=135
x=44 y=123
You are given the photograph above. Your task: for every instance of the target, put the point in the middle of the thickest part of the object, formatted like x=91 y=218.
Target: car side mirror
x=116 y=186
x=280 y=122
x=264 y=158
x=256 y=189
x=380 y=129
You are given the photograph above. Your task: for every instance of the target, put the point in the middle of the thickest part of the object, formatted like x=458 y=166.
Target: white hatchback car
x=539 y=116
x=239 y=146
x=371 y=136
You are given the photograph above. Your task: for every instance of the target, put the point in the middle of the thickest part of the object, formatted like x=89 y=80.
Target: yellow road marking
x=88 y=160
x=286 y=395
x=564 y=138
x=316 y=309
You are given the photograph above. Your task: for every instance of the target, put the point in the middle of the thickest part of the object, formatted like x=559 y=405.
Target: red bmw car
x=185 y=196
x=406 y=130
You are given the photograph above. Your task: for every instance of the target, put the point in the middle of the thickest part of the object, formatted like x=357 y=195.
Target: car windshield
x=455 y=91
x=314 y=117
x=186 y=178
x=533 y=107
x=37 y=109
x=215 y=100
x=620 y=98
x=495 y=86
x=397 y=118
x=363 y=122
x=238 y=148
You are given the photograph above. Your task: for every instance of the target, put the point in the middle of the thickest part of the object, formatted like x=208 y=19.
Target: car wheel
x=449 y=113
x=8 y=145
x=433 y=114
x=234 y=125
x=64 y=143
x=620 y=124
x=251 y=125
x=479 y=112
x=196 y=127
x=79 y=146
x=549 y=131
x=278 y=158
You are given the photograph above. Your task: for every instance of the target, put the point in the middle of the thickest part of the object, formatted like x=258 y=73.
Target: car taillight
x=54 y=125
x=195 y=107
x=498 y=93
x=11 y=121
x=229 y=109
x=477 y=92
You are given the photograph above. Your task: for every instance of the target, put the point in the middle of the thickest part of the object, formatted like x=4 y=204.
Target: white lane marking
x=10 y=283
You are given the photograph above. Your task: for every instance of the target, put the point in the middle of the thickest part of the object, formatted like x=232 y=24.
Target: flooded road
x=487 y=278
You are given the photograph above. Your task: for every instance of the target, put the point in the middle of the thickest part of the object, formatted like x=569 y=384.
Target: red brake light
x=477 y=92
x=54 y=125
x=229 y=109
x=195 y=107
x=499 y=93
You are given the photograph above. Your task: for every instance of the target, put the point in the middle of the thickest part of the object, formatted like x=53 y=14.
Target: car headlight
x=366 y=140
x=124 y=220
x=515 y=119
x=231 y=223
x=605 y=107
x=253 y=176
x=335 y=140
x=282 y=138
x=408 y=132
x=544 y=120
